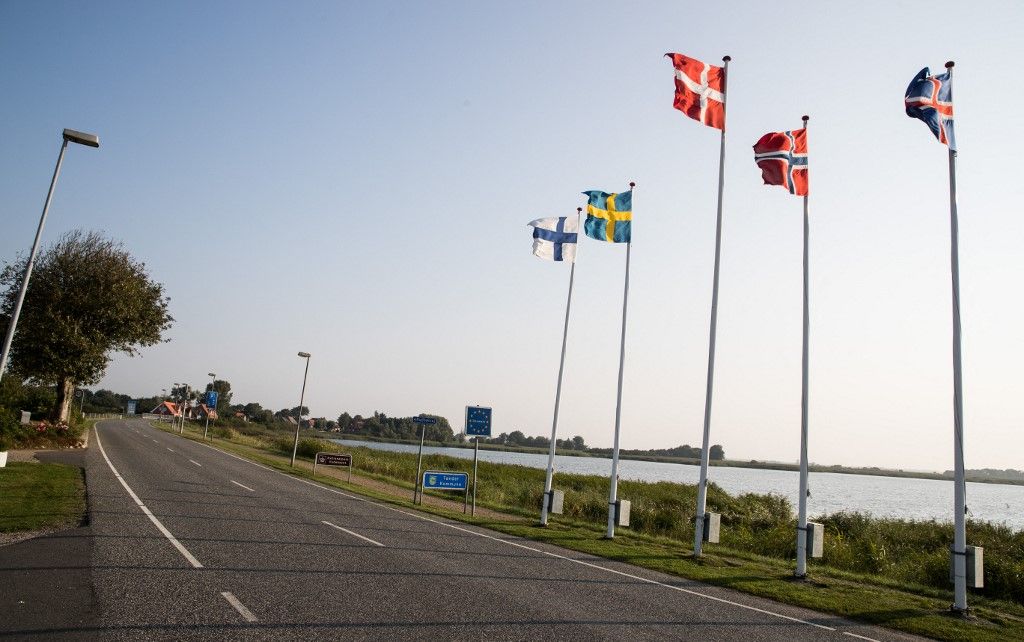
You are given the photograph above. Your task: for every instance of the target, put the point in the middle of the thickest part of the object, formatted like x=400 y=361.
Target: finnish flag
x=554 y=239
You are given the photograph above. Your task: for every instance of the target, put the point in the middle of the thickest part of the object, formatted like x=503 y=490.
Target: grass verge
x=881 y=601
x=40 y=496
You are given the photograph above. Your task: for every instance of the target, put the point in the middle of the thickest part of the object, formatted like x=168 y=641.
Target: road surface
x=188 y=542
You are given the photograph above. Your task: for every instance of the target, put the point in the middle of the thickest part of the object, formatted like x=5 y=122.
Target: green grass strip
x=40 y=496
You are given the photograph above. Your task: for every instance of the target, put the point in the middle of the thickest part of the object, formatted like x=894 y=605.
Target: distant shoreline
x=729 y=463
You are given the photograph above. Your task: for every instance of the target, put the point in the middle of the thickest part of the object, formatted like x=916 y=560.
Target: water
x=900 y=497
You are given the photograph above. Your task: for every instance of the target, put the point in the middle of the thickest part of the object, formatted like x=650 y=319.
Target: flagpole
x=960 y=486
x=702 y=486
x=801 y=532
x=613 y=491
x=546 y=504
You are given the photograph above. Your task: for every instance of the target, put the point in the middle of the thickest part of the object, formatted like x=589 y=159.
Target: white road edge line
x=859 y=637
x=156 y=522
x=233 y=601
x=345 y=530
x=196 y=463
x=537 y=550
x=170 y=449
x=242 y=485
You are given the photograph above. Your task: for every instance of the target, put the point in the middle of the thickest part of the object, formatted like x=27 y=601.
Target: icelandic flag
x=930 y=98
x=609 y=216
x=782 y=157
x=554 y=239
x=700 y=90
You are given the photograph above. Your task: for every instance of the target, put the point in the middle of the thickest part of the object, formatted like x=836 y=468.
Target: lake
x=901 y=497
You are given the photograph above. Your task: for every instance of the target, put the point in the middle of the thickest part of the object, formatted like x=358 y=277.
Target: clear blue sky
x=355 y=179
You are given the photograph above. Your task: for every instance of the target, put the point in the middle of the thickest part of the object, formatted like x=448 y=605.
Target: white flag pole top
x=959 y=487
x=702 y=486
x=801 y=533
x=614 y=486
x=558 y=393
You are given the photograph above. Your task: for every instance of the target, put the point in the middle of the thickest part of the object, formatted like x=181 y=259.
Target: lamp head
x=82 y=138
x=304 y=354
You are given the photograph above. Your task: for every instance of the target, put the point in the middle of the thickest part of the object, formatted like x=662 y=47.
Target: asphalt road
x=188 y=542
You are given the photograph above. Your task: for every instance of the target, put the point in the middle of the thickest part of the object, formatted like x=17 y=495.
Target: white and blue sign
x=445 y=481
x=478 y=421
x=131 y=407
x=211 y=399
x=424 y=421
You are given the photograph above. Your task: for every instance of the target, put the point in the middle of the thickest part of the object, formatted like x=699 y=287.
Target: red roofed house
x=166 y=409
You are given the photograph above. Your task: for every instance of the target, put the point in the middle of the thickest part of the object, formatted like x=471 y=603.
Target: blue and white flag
x=554 y=239
x=930 y=99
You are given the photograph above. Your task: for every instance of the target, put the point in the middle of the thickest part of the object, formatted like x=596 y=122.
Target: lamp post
x=70 y=136
x=302 y=399
x=213 y=380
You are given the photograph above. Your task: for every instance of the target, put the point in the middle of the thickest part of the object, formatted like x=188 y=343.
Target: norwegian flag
x=782 y=157
x=700 y=90
x=930 y=98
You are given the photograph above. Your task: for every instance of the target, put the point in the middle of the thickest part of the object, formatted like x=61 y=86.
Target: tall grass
x=906 y=551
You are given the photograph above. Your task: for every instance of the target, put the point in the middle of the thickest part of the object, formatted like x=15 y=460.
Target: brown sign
x=333 y=459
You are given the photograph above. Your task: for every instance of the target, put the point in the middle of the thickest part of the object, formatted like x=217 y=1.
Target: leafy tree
x=716 y=452
x=88 y=299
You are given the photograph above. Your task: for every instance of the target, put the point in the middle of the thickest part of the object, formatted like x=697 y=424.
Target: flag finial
x=805 y=118
x=949 y=65
x=726 y=58
x=632 y=184
x=579 y=209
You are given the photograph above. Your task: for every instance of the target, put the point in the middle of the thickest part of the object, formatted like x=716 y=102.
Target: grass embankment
x=892 y=573
x=40 y=496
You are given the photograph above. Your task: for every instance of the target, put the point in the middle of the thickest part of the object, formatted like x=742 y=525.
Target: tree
x=88 y=298
x=716 y=452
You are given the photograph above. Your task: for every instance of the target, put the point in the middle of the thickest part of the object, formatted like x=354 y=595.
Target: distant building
x=202 y=411
x=166 y=409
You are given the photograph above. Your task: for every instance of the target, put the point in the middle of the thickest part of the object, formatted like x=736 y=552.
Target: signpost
x=333 y=459
x=131 y=407
x=423 y=421
x=441 y=480
x=211 y=406
x=478 y=422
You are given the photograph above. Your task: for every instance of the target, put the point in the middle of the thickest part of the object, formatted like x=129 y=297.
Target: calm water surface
x=830 y=492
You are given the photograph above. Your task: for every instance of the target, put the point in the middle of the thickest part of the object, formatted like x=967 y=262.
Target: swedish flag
x=609 y=216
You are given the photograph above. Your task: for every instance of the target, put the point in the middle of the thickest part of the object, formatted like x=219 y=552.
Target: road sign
x=333 y=459
x=424 y=421
x=445 y=481
x=478 y=421
x=131 y=407
x=211 y=399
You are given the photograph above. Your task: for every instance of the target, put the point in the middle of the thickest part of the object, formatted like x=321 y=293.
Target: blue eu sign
x=445 y=481
x=478 y=421
x=211 y=399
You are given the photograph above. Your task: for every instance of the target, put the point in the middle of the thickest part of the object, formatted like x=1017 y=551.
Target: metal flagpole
x=702 y=486
x=960 y=486
x=546 y=504
x=801 y=529
x=614 y=486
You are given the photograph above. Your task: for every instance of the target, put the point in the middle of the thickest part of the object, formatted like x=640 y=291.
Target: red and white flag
x=700 y=90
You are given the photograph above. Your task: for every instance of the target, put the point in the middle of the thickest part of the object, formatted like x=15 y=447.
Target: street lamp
x=70 y=135
x=213 y=378
x=302 y=399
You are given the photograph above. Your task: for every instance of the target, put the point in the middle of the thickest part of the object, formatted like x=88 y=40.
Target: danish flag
x=700 y=90
x=930 y=98
x=782 y=157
